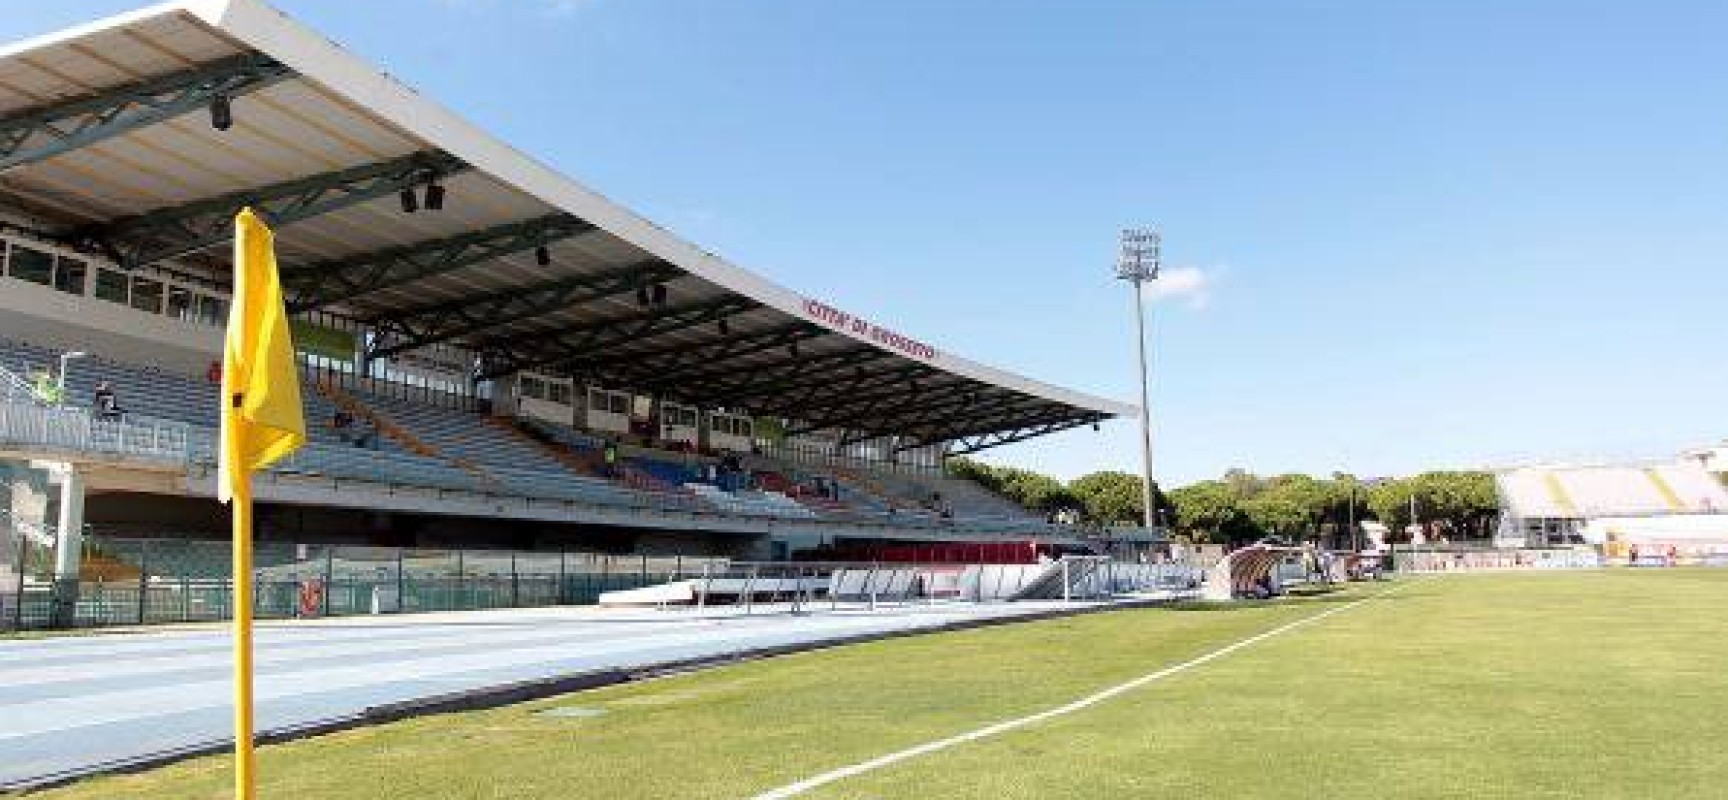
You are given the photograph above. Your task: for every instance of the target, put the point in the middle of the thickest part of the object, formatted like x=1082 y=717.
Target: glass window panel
x=112 y=286
x=180 y=304
x=146 y=294
x=29 y=264
x=212 y=310
x=69 y=275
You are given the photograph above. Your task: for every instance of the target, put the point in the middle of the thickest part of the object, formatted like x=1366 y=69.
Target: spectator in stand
x=107 y=405
x=611 y=455
x=368 y=437
x=214 y=374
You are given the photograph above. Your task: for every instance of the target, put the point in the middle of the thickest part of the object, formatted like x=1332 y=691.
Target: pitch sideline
x=823 y=779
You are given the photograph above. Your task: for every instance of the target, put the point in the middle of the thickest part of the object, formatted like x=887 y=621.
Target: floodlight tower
x=1137 y=262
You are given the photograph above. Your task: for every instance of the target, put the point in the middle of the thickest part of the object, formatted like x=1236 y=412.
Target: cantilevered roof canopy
x=112 y=140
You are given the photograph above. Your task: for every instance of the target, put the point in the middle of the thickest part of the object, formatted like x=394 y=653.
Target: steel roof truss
x=1030 y=431
x=176 y=231
x=793 y=374
x=343 y=279
x=454 y=320
x=926 y=406
x=716 y=357
x=568 y=344
x=36 y=134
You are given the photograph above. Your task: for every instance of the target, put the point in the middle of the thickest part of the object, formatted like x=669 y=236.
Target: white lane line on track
x=795 y=789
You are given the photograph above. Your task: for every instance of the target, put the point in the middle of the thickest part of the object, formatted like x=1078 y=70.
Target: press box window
x=180 y=303
x=212 y=310
x=112 y=286
x=69 y=275
x=558 y=393
x=147 y=294
x=30 y=265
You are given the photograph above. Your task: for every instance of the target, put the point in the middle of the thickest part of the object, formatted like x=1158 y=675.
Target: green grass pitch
x=1584 y=684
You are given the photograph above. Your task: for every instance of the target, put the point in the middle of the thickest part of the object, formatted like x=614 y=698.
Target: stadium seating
x=1695 y=488
x=750 y=503
x=462 y=435
x=142 y=391
x=420 y=444
x=1612 y=490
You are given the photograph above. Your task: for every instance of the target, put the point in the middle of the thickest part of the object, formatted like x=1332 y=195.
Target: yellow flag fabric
x=261 y=417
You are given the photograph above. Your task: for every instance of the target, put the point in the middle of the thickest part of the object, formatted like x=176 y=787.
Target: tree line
x=1243 y=507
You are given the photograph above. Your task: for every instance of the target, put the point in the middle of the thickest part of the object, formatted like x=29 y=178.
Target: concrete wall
x=44 y=316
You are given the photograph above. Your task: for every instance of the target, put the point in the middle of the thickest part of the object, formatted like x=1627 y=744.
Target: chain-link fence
x=152 y=581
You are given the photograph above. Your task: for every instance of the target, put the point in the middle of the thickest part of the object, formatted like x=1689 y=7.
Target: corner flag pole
x=262 y=422
x=245 y=759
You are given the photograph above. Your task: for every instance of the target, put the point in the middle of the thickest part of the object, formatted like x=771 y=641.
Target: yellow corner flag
x=261 y=423
x=261 y=417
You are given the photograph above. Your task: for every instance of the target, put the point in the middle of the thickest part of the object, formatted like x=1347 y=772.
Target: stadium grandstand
x=1713 y=458
x=494 y=356
x=1655 y=506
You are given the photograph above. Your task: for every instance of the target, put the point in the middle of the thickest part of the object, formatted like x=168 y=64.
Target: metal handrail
x=75 y=429
x=16 y=387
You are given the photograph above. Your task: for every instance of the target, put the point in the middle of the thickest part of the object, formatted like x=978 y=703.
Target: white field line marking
x=794 y=789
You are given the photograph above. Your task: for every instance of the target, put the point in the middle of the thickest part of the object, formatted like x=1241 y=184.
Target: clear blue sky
x=1413 y=234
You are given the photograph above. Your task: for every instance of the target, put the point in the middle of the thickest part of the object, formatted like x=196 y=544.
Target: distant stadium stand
x=1677 y=504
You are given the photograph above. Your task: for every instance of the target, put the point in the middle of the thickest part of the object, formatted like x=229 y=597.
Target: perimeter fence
x=158 y=581
x=154 y=581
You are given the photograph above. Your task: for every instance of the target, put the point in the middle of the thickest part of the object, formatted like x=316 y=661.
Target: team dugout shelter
x=419 y=252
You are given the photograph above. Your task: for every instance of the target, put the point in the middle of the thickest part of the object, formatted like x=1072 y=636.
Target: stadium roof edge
x=269 y=30
x=257 y=26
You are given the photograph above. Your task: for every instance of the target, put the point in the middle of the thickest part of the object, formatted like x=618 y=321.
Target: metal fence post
x=563 y=579
x=702 y=599
x=143 y=577
x=515 y=583
x=749 y=586
x=401 y=584
x=18 y=601
x=461 y=599
x=870 y=585
x=329 y=573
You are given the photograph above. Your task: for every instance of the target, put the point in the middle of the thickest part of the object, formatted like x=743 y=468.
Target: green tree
x=1451 y=504
x=1389 y=502
x=1207 y=511
x=1034 y=491
x=1110 y=496
x=1277 y=513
